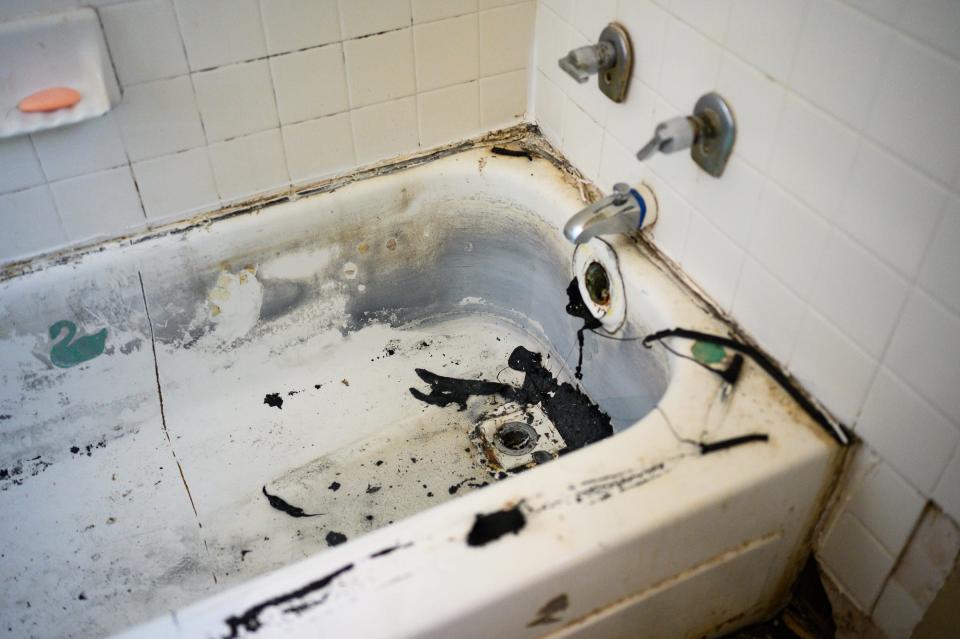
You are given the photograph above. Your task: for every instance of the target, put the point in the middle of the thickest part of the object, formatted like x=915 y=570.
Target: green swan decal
x=64 y=354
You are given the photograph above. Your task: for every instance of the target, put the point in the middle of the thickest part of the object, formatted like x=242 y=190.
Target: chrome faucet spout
x=626 y=210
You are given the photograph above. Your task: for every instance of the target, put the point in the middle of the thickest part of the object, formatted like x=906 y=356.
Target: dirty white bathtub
x=249 y=409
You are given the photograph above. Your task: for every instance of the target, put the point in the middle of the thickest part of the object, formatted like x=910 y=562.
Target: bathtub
x=256 y=432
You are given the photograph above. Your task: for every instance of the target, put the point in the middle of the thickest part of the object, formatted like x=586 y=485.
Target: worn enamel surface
x=251 y=408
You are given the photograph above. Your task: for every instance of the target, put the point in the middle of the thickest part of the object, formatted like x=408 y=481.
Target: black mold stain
x=390 y=549
x=493 y=526
x=273 y=399
x=282 y=506
x=5 y=417
x=335 y=539
x=335 y=486
x=547 y=613
x=281 y=297
x=74 y=449
x=579 y=421
x=707 y=448
x=577 y=308
x=249 y=620
x=451 y=390
x=499 y=150
x=24 y=468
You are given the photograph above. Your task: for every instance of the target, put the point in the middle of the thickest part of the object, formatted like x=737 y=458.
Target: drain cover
x=515 y=437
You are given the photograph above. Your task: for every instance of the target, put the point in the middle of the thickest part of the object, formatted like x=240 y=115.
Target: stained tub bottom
x=179 y=508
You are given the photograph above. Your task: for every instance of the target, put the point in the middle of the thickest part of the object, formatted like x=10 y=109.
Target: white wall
x=228 y=99
x=833 y=236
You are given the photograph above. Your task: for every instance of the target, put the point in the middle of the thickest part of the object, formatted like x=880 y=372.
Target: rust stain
x=549 y=611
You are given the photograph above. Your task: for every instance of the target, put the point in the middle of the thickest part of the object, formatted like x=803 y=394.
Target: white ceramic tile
x=709 y=18
x=896 y=613
x=888 y=506
x=591 y=16
x=858 y=293
x=319 y=148
x=177 y=185
x=886 y=10
x=249 y=165
x=30 y=224
x=691 y=63
x=879 y=190
x=98 y=205
x=563 y=8
x=236 y=100
x=925 y=351
x=548 y=108
x=839 y=58
x=768 y=309
x=936 y=22
x=835 y=369
x=788 y=238
x=490 y=4
x=80 y=148
x=552 y=40
x=385 y=130
x=940 y=274
x=647 y=25
x=448 y=114
x=445 y=52
x=158 y=118
x=632 y=121
x=582 y=140
x=429 y=10
x=379 y=68
x=812 y=155
x=857 y=560
x=618 y=164
x=363 y=17
x=907 y=431
x=713 y=260
x=673 y=220
x=144 y=40
x=929 y=558
x=218 y=32
x=756 y=101
x=765 y=33
x=309 y=84
x=731 y=202
x=915 y=109
x=290 y=25
x=21 y=168
x=506 y=38
x=947 y=491
x=503 y=99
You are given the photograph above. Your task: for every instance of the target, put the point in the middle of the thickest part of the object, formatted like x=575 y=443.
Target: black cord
x=837 y=430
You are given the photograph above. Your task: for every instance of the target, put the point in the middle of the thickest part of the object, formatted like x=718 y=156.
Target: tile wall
x=227 y=99
x=833 y=235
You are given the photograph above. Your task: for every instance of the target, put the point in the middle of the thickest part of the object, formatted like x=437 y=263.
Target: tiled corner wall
x=227 y=99
x=833 y=235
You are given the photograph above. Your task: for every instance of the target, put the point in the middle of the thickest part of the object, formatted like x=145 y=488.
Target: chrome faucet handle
x=583 y=62
x=671 y=136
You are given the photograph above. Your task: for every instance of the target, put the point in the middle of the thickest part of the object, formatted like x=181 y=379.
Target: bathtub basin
x=281 y=432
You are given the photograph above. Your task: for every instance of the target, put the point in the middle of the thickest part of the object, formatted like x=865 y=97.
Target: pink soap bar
x=49 y=100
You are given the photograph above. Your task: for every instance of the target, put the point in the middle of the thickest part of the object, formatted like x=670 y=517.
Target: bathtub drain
x=515 y=438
